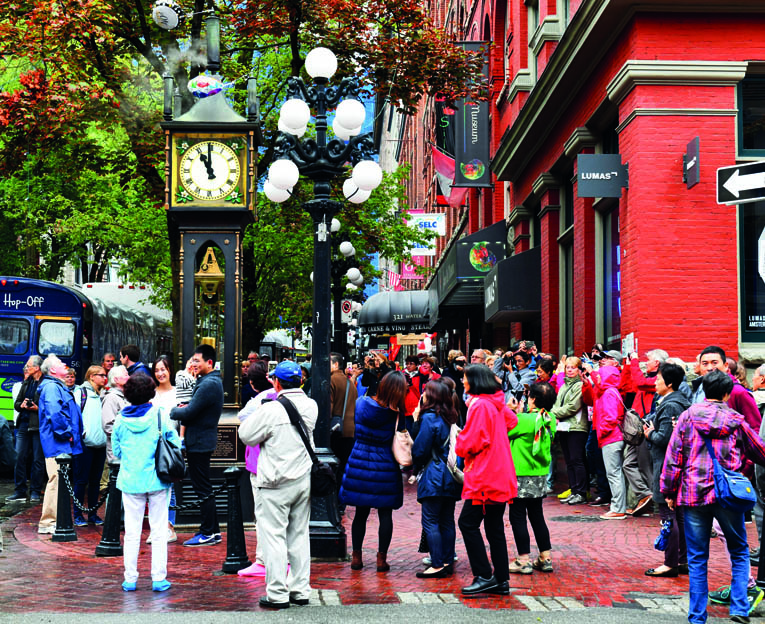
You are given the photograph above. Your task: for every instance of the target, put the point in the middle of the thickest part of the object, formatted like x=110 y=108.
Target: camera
x=507 y=358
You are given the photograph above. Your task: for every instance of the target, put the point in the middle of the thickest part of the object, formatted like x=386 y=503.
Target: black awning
x=513 y=288
x=396 y=312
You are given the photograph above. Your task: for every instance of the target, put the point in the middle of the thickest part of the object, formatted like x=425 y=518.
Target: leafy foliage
x=82 y=154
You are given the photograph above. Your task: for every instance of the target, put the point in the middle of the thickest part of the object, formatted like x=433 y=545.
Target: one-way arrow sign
x=741 y=184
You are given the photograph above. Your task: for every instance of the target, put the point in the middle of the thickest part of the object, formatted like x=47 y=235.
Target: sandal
x=543 y=565
x=521 y=567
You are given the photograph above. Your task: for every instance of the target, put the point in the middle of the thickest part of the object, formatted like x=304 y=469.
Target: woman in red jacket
x=490 y=480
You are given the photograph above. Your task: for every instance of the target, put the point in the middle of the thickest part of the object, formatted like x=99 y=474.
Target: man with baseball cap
x=283 y=501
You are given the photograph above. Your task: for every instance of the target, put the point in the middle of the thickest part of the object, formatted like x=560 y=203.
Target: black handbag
x=168 y=460
x=323 y=480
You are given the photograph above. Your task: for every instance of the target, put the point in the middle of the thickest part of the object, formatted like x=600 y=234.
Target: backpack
x=631 y=427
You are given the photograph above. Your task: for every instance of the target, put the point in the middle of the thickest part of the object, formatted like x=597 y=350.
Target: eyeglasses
x=98 y=375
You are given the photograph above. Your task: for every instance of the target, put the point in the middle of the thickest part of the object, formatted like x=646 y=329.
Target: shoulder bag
x=732 y=489
x=402 y=445
x=168 y=460
x=323 y=479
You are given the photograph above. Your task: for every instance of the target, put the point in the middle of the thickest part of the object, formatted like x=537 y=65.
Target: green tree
x=91 y=69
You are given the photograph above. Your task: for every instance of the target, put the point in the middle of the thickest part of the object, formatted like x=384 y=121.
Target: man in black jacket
x=28 y=435
x=201 y=417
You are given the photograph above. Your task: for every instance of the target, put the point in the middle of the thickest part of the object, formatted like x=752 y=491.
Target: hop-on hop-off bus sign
x=741 y=184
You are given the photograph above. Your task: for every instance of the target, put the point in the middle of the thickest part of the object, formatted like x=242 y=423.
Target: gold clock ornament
x=209 y=170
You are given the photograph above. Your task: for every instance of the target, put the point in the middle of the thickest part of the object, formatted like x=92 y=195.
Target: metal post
x=321 y=212
x=236 y=549
x=110 y=537
x=64 y=526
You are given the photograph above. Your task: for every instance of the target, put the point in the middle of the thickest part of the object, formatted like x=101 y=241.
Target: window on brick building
x=532 y=10
x=751 y=117
x=612 y=279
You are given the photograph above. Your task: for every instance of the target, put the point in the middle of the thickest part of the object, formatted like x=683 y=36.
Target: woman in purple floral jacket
x=687 y=481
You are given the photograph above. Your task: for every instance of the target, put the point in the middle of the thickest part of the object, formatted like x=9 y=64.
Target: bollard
x=110 y=546
x=64 y=526
x=236 y=550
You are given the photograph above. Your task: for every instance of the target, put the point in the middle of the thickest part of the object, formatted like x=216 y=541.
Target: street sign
x=345 y=311
x=741 y=184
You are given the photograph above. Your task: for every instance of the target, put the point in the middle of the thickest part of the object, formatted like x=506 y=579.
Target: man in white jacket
x=283 y=501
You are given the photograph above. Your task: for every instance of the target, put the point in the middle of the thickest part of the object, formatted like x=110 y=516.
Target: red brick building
x=662 y=261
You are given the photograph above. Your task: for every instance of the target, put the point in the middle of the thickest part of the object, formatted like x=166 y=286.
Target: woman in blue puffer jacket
x=437 y=491
x=134 y=442
x=372 y=476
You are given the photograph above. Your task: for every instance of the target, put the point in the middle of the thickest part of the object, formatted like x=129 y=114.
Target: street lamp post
x=322 y=160
x=343 y=267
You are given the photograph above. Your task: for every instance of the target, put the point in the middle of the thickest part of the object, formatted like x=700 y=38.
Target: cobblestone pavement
x=597 y=563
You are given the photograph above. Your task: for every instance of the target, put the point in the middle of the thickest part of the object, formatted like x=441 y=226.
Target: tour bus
x=43 y=318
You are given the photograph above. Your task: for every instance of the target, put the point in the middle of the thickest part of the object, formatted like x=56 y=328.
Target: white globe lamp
x=334 y=226
x=321 y=63
x=350 y=113
x=295 y=113
x=353 y=274
x=353 y=193
x=367 y=175
x=283 y=174
x=347 y=249
x=276 y=195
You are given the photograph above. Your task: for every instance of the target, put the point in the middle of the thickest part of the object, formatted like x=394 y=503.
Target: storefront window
x=751 y=118
x=567 y=298
x=612 y=278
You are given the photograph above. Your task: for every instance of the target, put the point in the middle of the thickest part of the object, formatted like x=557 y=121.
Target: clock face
x=209 y=170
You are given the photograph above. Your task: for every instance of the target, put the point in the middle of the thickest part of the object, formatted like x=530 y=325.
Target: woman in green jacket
x=573 y=428
x=530 y=442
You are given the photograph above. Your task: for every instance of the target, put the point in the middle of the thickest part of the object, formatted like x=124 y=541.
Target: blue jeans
x=698 y=525
x=28 y=444
x=440 y=531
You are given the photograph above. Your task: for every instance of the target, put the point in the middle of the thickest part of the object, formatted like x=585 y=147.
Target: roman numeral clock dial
x=209 y=170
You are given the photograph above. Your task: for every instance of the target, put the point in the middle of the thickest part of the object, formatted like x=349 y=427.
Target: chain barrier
x=65 y=474
x=64 y=470
x=197 y=503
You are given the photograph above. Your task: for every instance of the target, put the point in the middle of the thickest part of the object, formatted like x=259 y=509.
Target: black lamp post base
x=328 y=543
x=328 y=537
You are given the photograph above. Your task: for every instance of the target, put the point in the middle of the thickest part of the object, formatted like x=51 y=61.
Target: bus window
x=56 y=338
x=14 y=336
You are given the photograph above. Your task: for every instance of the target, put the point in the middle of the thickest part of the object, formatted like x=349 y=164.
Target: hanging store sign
x=600 y=175
x=472 y=130
x=432 y=222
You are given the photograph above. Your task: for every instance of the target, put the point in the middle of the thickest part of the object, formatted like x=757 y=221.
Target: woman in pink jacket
x=608 y=412
x=490 y=480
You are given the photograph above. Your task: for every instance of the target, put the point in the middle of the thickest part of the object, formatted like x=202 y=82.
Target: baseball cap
x=287 y=371
x=615 y=355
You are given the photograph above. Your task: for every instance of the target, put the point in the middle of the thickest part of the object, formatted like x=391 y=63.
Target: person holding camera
x=514 y=373
x=28 y=436
x=377 y=367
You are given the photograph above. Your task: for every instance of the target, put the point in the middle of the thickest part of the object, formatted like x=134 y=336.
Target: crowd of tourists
x=486 y=430
x=517 y=410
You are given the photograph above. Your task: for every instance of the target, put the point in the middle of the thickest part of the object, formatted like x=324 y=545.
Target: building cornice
x=550 y=29
x=522 y=82
x=544 y=183
x=654 y=72
x=580 y=138
x=518 y=214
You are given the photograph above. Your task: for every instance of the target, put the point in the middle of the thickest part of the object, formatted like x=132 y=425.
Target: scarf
x=541 y=423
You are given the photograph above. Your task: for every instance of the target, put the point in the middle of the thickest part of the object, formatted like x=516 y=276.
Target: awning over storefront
x=513 y=290
x=395 y=312
x=459 y=280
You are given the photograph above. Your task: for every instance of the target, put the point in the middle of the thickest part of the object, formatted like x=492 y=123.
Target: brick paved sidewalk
x=597 y=563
